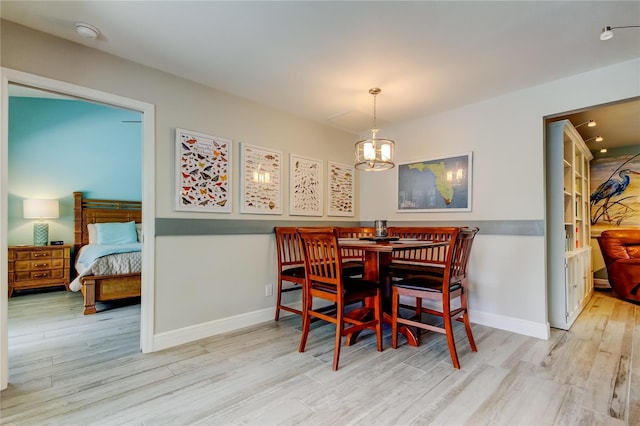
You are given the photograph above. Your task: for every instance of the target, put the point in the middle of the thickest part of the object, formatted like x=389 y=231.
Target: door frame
x=147 y=110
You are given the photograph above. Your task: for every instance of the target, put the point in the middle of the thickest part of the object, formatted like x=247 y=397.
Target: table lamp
x=40 y=209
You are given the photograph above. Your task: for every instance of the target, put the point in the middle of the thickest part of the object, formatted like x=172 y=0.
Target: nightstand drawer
x=40 y=254
x=26 y=265
x=45 y=274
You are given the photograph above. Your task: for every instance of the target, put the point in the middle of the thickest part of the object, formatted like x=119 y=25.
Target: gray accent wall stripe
x=174 y=227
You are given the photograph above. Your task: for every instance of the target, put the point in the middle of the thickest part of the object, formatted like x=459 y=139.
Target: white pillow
x=93 y=237
x=139 y=231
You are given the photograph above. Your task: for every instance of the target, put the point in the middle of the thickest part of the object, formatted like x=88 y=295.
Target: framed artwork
x=340 y=184
x=435 y=185
x=305 y=186
x=203 y=175
x=615 y=192
x=260 y=180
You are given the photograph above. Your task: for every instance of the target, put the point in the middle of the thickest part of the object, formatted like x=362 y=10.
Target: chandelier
x=374 y=154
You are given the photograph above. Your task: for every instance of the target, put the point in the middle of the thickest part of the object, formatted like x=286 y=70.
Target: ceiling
x=319 y=59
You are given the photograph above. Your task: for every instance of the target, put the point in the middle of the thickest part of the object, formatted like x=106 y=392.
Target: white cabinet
x=569 y=277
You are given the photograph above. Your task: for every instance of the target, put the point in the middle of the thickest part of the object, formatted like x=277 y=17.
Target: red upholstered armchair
x=621 y=252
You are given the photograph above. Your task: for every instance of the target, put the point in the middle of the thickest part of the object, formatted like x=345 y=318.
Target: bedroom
x=73 y=138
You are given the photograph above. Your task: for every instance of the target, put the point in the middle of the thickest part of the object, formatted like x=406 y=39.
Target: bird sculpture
x=612 y=187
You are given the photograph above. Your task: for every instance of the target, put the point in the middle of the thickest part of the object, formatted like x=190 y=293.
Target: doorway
x=9 y=76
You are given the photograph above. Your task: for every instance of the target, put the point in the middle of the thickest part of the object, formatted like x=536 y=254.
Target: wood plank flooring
x=70 y=369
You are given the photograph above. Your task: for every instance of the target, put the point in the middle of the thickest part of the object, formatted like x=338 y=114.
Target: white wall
x=203 y=279
x=506 y=135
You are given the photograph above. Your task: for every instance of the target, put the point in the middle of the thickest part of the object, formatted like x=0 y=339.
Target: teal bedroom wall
x=57 y=147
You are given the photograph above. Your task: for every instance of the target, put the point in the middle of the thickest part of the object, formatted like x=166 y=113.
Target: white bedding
x=111 y=264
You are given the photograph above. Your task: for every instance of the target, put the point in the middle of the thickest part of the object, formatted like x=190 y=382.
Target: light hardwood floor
x=71 y=369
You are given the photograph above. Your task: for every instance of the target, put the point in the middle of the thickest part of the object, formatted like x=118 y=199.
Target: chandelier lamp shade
x=374 y=154
x=40 y=209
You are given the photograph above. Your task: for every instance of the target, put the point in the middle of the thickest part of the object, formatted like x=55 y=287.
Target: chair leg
x=465 y=320
x=467 y=327
x=378 y=317
x=339 y=329
x=448 y=326
x=278 y=300
x=394 y=317
x=306 y=320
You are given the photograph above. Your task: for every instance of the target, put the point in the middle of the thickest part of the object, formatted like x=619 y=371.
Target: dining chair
x=325 y=280
x=425 y=261
x=443 y=290
x=353 y=259
x=290 y=266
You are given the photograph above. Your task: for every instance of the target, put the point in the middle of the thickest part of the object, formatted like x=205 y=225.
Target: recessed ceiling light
x=87 y=30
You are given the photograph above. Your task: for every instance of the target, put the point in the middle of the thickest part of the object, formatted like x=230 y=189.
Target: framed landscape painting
x=435 y=185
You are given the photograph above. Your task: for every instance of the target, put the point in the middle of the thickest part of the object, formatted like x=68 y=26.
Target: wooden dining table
x=377 y=257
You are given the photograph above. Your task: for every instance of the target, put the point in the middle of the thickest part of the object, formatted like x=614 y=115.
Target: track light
x=607 y=32
x=596 y=138
x=590 y=123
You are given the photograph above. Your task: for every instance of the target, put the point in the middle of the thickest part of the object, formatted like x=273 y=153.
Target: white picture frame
x=340 y=189
x=305 y=186
x=203 y=172
x=260 y=180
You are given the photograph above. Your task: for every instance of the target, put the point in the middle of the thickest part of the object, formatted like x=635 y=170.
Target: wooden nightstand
x=38 y=266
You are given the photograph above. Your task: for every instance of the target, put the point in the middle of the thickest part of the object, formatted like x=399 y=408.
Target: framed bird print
x=260 y=180
x=203 y=175
x=615 y=192
x=305 y=186
x=435 y=185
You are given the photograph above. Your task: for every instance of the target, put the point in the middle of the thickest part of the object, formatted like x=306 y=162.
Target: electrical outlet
x=268 y=290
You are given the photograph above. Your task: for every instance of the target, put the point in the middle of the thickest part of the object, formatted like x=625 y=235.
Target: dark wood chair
x=325 y=280
x=428 y=261
x=450 y=286
x=290 y=266
x=353 y=259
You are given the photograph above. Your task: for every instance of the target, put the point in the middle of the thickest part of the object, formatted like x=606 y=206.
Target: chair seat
x=354 y=288
x=405 y=269
x=424 y=283
x=352 y=268
x=297 y=272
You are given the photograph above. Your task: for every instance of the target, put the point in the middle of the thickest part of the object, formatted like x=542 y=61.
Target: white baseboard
x=515 y=325
x=201 y=331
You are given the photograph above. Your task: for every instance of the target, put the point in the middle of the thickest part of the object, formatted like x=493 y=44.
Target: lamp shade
x=40 y=209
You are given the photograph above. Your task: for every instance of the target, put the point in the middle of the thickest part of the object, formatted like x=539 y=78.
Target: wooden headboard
x=88 y=211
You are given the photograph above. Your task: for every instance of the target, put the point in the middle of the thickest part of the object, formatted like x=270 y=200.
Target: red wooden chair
x=325 y=280
x=290 y=266
x=450 y=286
x=353 y=259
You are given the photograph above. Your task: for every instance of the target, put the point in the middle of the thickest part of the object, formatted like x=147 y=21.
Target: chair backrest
x=354 y=232
x=431 y=255
x=289 y=246
x=323 y=261
x=460 y=255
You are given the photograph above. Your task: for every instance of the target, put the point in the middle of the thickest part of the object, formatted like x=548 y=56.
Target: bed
x=121 y=282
